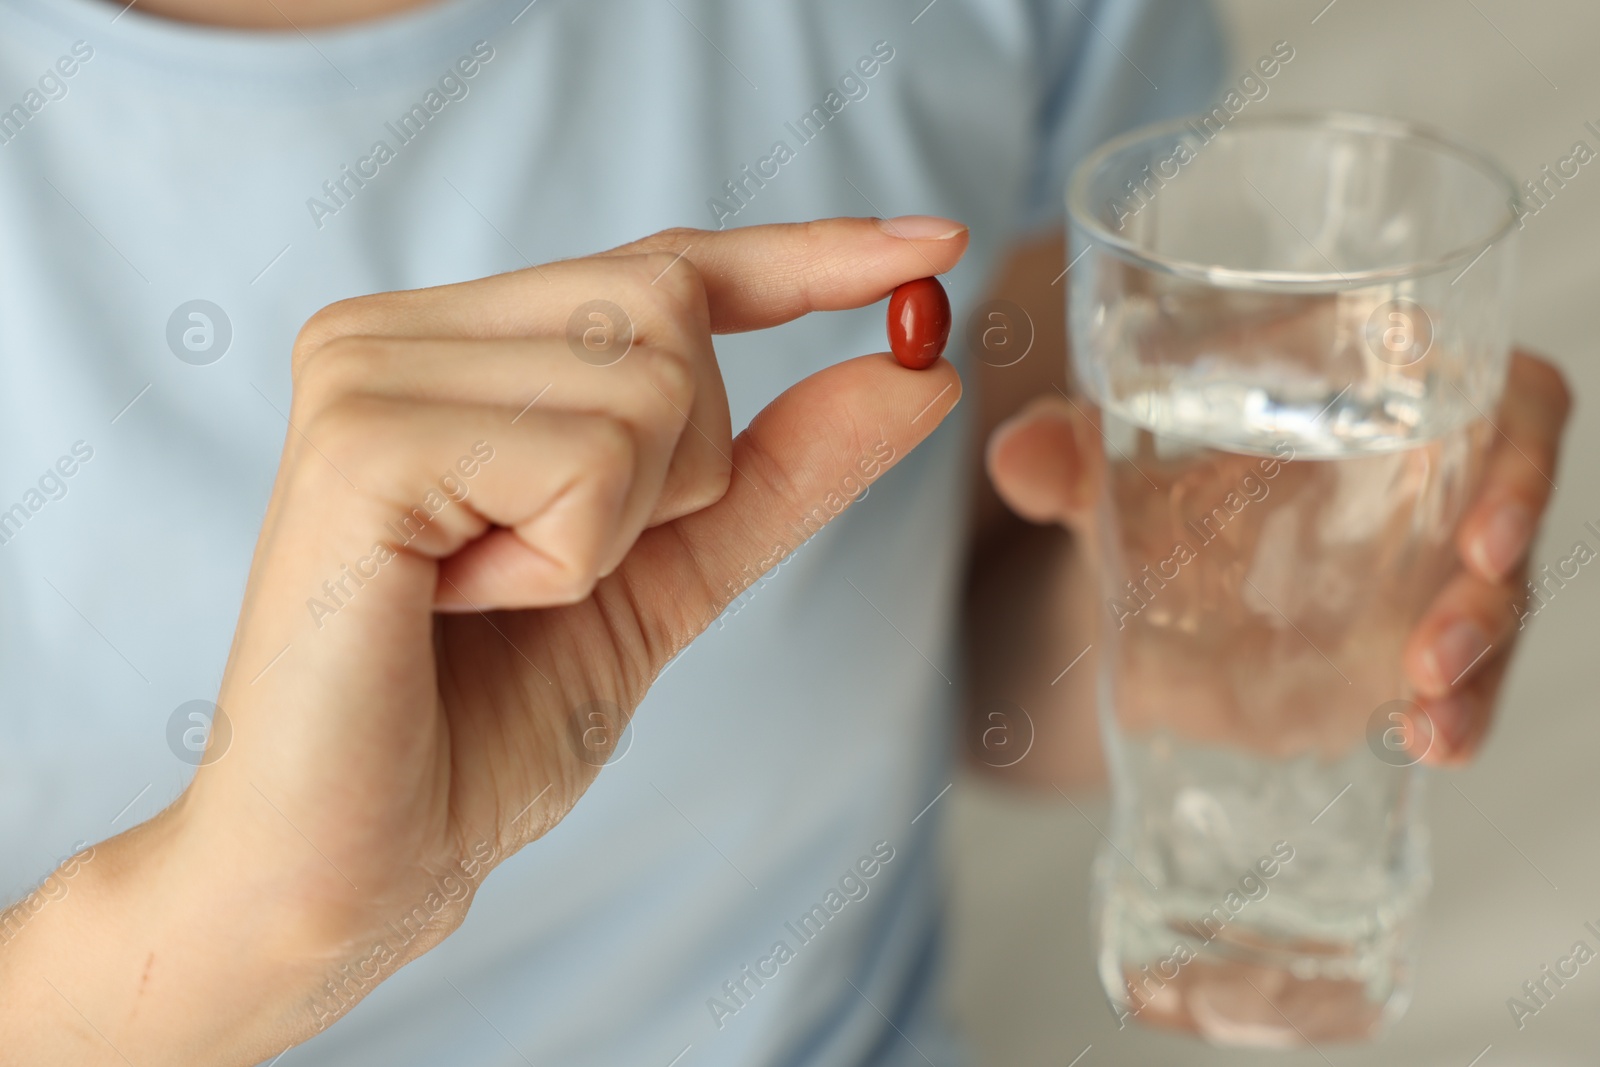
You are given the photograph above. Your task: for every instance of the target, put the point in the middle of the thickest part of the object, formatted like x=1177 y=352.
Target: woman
x=503 y=507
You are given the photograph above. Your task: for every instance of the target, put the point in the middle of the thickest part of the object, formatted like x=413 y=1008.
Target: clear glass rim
x=1081 y=214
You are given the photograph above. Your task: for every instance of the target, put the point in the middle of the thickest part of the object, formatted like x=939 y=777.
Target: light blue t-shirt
x=175 y=201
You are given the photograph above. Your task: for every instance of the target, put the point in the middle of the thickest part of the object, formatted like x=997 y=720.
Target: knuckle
x=337 y=368
x=826 y=270
x=636 y=295
x=652 y=269
x=762 y=466
x=661 y=293
x=602 y=469
x=711 y=481
x=572 y=583
x=605 y=449
x=812 y=234
x=682 y=281
x=575 y=552
x=671 y=240
x=336 y=320
x=674 y=286
x=672 y=373
x=343 y=431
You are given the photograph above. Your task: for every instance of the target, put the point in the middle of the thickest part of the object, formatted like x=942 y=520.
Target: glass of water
x=1291 y=331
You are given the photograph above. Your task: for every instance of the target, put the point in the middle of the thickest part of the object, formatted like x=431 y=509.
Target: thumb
x=800 y=463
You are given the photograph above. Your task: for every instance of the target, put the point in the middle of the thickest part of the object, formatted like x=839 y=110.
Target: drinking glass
x=1290 y=331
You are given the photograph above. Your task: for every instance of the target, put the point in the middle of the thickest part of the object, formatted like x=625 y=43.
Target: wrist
x=145 y=949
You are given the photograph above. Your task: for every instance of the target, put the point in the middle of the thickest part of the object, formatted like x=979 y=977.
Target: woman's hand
x=1045 y=464
x=494 y=522
x=1456 y=657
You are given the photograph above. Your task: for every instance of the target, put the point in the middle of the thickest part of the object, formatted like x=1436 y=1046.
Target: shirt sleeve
x=1107 y=66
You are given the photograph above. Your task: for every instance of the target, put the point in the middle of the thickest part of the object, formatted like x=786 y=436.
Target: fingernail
x=1453 y=651
x=1504 y=540
x=921 y=227
x=1451 y=722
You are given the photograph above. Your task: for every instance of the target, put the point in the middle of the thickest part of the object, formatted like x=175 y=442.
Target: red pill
x=919 y=323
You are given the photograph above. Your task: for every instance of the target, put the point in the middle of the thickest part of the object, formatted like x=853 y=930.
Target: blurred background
x=1516 y=838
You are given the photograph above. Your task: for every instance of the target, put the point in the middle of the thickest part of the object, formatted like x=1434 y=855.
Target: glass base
x=1242 y=1004
x=1245 y=987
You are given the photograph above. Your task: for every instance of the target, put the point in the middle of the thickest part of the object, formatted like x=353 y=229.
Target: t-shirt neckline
x=351 y=58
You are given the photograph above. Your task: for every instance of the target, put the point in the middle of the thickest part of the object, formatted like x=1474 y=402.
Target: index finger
x=1498 y=529
x=752 y=277
x=762 y=276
